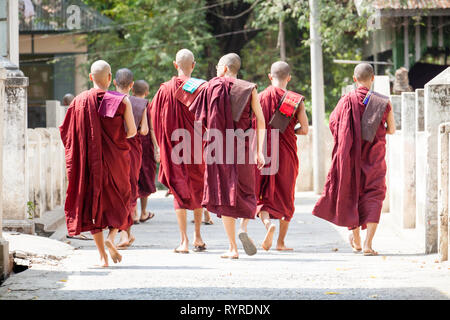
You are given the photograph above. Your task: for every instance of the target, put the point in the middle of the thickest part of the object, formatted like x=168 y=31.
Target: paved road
x=321 y=267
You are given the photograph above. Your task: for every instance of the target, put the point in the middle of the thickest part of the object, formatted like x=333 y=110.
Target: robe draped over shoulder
x=229 y=188
x=276 y=192
x=171 y=117
x=97 y=163
x=147 y=174
x=355 y=187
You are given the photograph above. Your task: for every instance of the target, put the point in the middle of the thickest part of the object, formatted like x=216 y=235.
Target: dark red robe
x=97 y=163
x=184 y=180
x=355 y=187
x=147 y=174
x=229 y=189
x=276 y=193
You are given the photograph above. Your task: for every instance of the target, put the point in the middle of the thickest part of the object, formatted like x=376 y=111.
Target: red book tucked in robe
x=97 y=162
x=355 y=187
x=184 y=180
x=147 y=174
x=276 y=193
x=229 y=189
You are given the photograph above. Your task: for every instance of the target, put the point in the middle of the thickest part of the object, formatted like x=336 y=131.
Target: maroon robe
x=184 y=180
x=276 y=193
x=355 y=188
x=146 y=183
x=229 y=189
x=98 y=192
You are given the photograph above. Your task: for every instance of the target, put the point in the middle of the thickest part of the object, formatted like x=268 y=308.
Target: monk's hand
x=157 y=156
x=260 y=160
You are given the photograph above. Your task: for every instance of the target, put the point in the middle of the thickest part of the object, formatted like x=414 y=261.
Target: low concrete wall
x=305 y=179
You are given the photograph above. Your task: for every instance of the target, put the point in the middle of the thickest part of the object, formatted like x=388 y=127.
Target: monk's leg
x=99 y=242
x=198 y=214
x=243 y=225
x=371 y=228
x=207 y=217
x=143 y=207
x=270 y=227
x=355 y=239
x=109 y=242
x=184 y=244
x=284 y=225
x=230 y=229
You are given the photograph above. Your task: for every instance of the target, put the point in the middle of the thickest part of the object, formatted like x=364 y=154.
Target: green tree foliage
x=147 y=33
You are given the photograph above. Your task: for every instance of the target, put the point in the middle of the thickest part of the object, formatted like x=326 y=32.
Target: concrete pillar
x=15 y=174
x=437 y=111
x=429 y=32
x=420 y=161
x=59 y=165
x=13 y=32
x=47 y=161
x=406 y=41
x=443 y=190
x=81 y=83
x=54 y=113
x=347 y=89
x=317 y=96
x=396 y=101
x=408 y=213
x=417 y=46
x=381 y=84
x=4 y=247
x=36 y=158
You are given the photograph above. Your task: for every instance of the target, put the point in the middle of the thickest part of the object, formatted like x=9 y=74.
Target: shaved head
x=184 y=59
x=100 y=71
x=124 y=78
x=280 y=70
x=140 y=87
x=363 y=72
x=67 y=99
x=232 y=61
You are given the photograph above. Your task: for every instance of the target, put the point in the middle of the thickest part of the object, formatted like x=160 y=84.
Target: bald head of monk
x=364 y=74
x=141 y=88
x=229 y=65
x=280 y=74
x=184 y=62
x=101 y=74
x=124 y=80
x=67 y=99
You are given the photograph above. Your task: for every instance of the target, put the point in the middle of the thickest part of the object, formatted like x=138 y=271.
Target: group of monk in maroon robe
x=109 y=167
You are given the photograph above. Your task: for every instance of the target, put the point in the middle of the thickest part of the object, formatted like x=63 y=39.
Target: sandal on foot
x=249 y=246
x=180 y=251
x=208 y=223
x=150 y=215
x=199 y=248
x=370 y=252
x=352 y=243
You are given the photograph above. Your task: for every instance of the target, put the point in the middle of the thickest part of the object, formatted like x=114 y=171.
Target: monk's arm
x=144 y=124
x=260 y=128
x=155 y=143
x=129 y=118
x=303 y=120
x=390 y=122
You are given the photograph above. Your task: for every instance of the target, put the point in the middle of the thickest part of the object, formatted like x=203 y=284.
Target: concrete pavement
x=321 y=267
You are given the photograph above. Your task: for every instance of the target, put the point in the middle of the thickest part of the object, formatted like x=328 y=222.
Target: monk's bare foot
x=182 y=248
x=132 y=238
x=103 y=261
x=369 y=252
x=355 y=243
x=230 y=255
x=282 y=247
x=124 y=241
x=115 y=255
x=267 y=243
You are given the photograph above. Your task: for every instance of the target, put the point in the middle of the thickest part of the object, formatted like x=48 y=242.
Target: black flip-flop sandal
x=150 y=215
x=199 y=248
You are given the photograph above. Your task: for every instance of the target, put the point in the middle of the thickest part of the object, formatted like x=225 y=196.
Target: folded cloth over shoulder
x=240 y=94
x=189 y=90
x=110 y=102
x=376 y=104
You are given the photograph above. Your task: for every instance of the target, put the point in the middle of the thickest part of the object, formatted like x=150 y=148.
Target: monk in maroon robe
x=150 y=155
x=124 y=82
x=97 y=161
x=355 y=187
x=184 y=180
x=276 y=192
x=226 y=106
